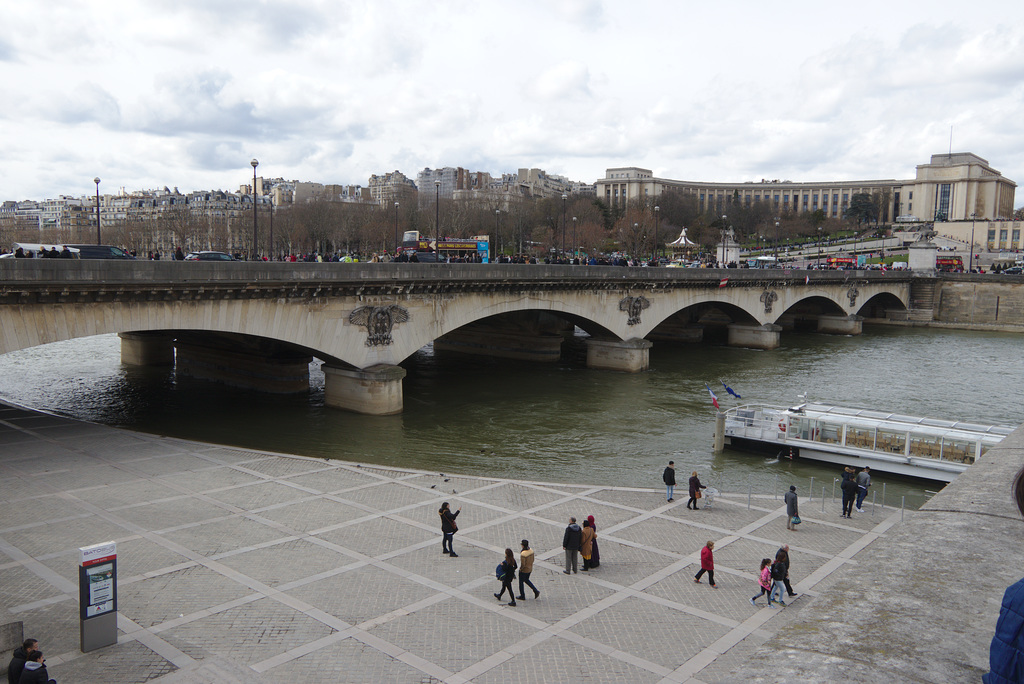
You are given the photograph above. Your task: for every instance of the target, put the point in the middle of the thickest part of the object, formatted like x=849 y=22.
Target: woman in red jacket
x=707 y=564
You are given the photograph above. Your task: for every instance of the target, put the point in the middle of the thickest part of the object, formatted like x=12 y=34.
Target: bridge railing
x=36 y=272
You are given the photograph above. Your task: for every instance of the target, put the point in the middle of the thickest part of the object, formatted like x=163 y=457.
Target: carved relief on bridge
x=769 y=297
x=379 y=322
x=633 y=306
x=851 y=294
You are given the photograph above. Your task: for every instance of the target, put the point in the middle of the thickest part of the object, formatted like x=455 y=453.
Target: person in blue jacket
x=1006 y=656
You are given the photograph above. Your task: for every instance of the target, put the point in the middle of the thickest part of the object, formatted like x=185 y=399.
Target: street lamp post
x=776 y=239
x=564 y=197
x=96 y=180
x=497 y=215
x=270 y=239
x=437 y=220
x=819 y=248
x=396 y=230
x=970 y=259
x=254 y=251
x=657 y=220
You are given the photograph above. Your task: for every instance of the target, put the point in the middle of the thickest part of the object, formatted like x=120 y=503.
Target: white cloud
x=185 y=93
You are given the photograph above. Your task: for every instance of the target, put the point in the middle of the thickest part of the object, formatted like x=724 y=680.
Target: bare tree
x=185 y=228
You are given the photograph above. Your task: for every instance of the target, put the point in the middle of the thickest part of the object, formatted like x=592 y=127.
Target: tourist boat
x=888 y=442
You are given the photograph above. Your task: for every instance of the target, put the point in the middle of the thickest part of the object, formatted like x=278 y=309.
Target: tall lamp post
x=819 y=247
x=96 y=180
x=437 y=220
x=497 y=215
x=776 y=239
x=255 y=250
x=396 y=230
x=657 y=220
x=564 y=197
x=970 y=259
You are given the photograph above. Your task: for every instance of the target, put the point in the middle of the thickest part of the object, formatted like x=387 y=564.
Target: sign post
x=97 y=590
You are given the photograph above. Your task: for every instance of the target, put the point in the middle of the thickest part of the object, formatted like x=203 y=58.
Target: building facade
x=391 y=187
x=950 y=187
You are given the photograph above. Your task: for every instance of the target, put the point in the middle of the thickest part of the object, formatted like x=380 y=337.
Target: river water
x=559 y=423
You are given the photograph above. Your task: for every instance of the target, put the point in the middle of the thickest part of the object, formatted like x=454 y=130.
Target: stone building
x=951 y=187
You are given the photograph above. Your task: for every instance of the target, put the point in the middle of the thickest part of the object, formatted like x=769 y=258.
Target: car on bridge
x=100 y=252
x=209 y=256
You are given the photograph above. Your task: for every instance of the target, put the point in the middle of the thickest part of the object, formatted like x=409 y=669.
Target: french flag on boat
x=729 y=389
x=714 y=399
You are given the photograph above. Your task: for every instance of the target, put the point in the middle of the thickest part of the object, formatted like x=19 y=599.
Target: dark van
x=101 y=252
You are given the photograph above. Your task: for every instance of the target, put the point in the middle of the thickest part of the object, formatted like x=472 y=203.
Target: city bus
x=476 y=248
x=842 y=262
x=949 y=264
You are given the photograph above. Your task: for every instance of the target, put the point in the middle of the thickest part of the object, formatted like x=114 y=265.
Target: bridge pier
x=754 y=336
x=841 y=325
x=375 y=391
x=631 y=356
x=146 y=349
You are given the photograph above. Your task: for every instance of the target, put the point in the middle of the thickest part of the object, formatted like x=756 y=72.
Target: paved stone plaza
x=243 y=566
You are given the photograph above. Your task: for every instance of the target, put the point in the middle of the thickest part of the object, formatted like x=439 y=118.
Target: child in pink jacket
x=764 y=582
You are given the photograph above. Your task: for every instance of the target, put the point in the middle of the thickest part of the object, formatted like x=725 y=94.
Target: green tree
x=862 y=209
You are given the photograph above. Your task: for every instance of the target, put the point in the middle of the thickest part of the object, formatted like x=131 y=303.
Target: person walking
x=764 y=582
x=707 y=564
x=778 y=586
x=695 y=487
x=669 y=476
x=587 y=544
x=35 y=670
x=20 y=657
x=571 y=544
x=525 y=570
x=863 y=482
x=792 y=508
x=784 y=552
x=508 y=573
x=448 y=528
x=849 y=487
x=595 y=554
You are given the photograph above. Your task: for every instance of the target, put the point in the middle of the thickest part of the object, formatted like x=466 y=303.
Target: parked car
x=101 y=252
x=1014 y=270
x=209 y=256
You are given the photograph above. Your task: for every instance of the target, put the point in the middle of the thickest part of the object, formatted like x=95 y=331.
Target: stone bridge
x=260 y=324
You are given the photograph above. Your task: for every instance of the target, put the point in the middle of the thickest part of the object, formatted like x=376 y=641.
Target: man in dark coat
x=18 y=661
x=571 y=541
x=669 y=476
x=792 y=507
x=849 y=487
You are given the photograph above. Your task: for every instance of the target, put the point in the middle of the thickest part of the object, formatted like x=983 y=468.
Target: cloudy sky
x=184 y=93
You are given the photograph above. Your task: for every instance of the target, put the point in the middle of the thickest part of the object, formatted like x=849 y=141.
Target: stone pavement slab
x=242 y=566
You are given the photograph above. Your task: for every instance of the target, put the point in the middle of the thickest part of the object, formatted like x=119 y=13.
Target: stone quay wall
x=980 y=300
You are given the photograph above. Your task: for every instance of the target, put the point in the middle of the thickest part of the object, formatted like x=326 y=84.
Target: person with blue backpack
x=506 y=572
